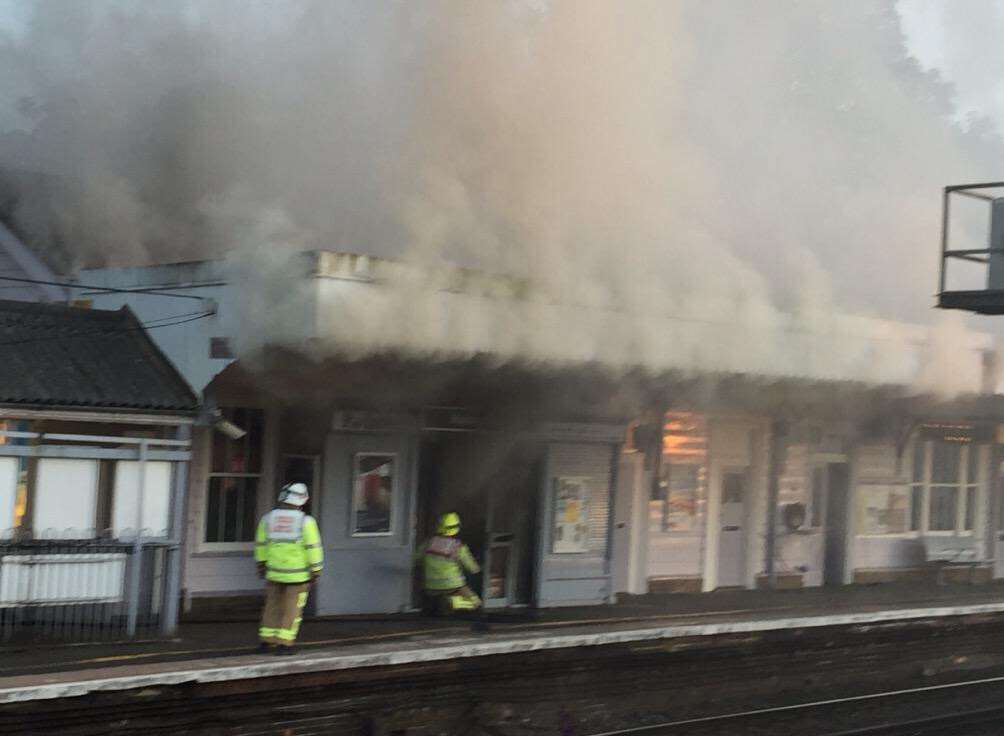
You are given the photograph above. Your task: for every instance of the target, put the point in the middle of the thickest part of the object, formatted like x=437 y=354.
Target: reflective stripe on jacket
x=444 y=560
x=288 y=542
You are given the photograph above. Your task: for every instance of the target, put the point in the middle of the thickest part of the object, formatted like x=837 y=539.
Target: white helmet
x=294 y=494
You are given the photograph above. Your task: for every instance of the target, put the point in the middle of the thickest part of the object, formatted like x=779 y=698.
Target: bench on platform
x=944 y=552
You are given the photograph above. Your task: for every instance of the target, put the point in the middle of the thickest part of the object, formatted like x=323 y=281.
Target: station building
x=803 y=458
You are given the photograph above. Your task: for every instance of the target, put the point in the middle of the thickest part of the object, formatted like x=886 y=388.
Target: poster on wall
x=884 y=509
x=571 y=515
x=372 y=493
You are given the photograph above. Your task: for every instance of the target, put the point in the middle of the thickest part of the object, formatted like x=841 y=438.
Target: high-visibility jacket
x=288 y=542
x=444 y=560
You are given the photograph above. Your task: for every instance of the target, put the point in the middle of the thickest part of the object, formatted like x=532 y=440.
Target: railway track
x=605 y=686
x=974 y=720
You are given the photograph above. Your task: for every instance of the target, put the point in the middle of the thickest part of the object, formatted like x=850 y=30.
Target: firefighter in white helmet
x=290 y=558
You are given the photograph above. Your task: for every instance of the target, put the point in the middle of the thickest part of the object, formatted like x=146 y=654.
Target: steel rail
x=656 y=727
x=954 y=720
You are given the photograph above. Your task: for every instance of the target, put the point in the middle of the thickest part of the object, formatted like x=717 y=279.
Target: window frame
x=961 y=487
x=235 y=546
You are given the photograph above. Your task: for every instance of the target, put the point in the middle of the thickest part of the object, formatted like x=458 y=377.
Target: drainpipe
x=778 y=451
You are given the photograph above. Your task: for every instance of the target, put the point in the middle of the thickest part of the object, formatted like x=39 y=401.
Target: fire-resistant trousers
x=283 y=611
x=438 y=601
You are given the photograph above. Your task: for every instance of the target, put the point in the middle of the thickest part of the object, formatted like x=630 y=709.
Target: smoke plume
x=702 y=184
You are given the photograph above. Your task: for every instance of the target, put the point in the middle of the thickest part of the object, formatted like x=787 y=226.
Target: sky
x=960 y=39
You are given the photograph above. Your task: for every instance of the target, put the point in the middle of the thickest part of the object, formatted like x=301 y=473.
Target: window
x=219 y=348
x=231 y=499
x=945 y=483
x=156 y=499
x=943 y=507
x=972 y=487
x=734 y=488
x=372 y=494
x=59 y=514
x=678 y=500
x=916 y=507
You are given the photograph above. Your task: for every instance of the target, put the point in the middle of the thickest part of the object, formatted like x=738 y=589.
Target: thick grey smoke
x=704 y=183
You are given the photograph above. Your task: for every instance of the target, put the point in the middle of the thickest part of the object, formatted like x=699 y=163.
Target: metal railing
x=63 y=589
x=972 y=248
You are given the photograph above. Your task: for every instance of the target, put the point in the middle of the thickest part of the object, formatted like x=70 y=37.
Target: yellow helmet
x=449 y=525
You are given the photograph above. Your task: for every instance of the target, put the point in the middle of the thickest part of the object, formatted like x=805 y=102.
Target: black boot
x=285 y=650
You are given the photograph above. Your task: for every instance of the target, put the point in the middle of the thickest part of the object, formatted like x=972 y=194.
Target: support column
x=179 y=495
x=778 y=452
x=137 y=547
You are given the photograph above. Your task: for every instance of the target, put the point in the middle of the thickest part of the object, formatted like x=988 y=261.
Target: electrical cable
x=107 y=289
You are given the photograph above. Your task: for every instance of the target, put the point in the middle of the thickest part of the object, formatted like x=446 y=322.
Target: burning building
x=577 y=479
x=625 y=254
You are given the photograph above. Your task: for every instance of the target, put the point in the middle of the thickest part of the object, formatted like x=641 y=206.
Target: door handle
x=730 y=528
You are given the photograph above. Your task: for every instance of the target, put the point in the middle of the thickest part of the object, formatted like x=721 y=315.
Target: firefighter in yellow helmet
x=445 y=559
x=290 y=558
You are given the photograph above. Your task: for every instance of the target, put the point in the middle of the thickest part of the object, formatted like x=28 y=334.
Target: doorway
x=732 y=537
x=837 y=492
x=493 y=483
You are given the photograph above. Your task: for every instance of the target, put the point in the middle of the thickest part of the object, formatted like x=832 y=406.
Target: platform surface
x=214 y=652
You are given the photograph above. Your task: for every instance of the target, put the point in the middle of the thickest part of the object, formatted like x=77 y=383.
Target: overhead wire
x=106 y=289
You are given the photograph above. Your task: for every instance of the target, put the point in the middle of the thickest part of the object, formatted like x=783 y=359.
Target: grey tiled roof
x=55 y=355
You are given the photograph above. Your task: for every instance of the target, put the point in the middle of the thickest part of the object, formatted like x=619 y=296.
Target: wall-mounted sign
x=950 y=432
x=448 y=419
x=571 y=515
x=371 y=421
